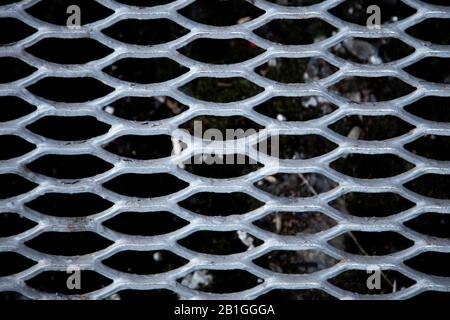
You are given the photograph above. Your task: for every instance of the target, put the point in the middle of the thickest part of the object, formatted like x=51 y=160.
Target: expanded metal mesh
x=269 y=280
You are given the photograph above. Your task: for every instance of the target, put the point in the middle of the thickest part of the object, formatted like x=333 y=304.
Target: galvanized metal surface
x=197 y=184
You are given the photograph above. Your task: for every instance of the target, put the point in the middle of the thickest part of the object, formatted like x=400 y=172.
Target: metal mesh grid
x=245 y=184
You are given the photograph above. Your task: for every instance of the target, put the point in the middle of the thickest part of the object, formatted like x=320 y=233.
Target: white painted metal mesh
x=196 y=184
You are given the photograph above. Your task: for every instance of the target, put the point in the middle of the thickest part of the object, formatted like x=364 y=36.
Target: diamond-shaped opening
x=431 y=146
x=220 y=243
x=295 y=262
x=145 y=223
x=371 y=243
x=69 y=51
x=13 y=30
x=145 y=109
x=14 y=108
x=141 y=147
x=296 y=185
x=71 y=90
x=145 y=185
x=12 y=263
x=69 y=166
x=371 y=127
x=221 y=51
x=356 y=281
x=434 y=263
x=367 y=166
x=373 y=89
x=220 y=204
x=294 y=223
x=221 y=89
x=295 y=3
x=55 y=282
x=14 y=146
x=12 y=185
x=432 y=224
x=381 y=204
x=355 y=11
x=145 y=262
x=431 y=185
x=12 y=224
x=298 y=146
x=296 y=108
x=221 y=13
x=433 y=69
x=230 y=127
x=372 y=50
x=145 y=71
x=69 y=204
x=68 y=243
x=221 y=166
x=145 y=32
x=145 y=295
x=306 y=69
x=431 y=108
x=287 y=295
x=145 y=3
x=220 y=281
x=55 y=11
x=69 y=128
x=431 y=30
x=14 y=69
x=295 y=31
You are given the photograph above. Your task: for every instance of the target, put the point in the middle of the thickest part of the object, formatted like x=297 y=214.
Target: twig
x=351 y=234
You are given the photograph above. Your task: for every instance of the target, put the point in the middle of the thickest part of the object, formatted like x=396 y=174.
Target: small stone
x=197 y=279
x=157 y=256
x=109 y=109
x=311 y=102
x=272 y=63
x=363 y=50
x=375 y=60
x=246 y=239
x=270 y=179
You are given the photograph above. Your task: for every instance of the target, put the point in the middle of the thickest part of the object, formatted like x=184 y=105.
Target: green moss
x=372 y=89
x=221 y=90
x=286 y=70
x=221 y=51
